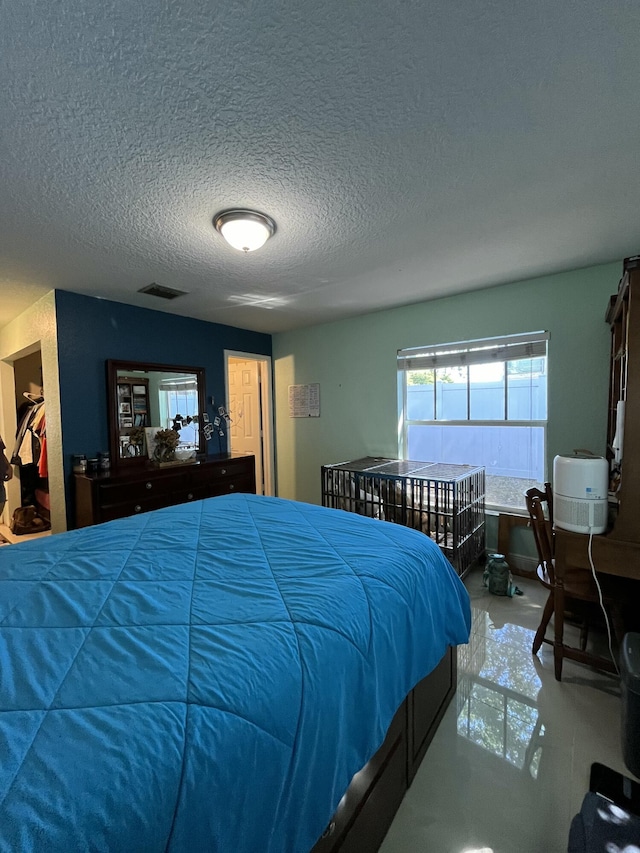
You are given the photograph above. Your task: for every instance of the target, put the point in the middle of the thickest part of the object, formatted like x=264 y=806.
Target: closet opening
x=28 y=511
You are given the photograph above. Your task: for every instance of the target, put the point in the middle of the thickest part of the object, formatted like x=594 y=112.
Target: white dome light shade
x=245 y=230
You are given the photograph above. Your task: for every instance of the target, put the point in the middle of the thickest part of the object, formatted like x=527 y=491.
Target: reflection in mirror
x=144 y=398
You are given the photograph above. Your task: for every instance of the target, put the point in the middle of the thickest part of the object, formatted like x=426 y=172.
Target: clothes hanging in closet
x=30 y=436
x=43 y=471
x=30 y=451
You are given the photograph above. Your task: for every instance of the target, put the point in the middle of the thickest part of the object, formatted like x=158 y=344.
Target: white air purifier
x=580 y=487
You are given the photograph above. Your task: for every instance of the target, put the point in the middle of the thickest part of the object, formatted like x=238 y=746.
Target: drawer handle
x=148 y=485
x=137 y=508
x=329 y=830
x=190 y=496
x=231 y=487
x=223 y=471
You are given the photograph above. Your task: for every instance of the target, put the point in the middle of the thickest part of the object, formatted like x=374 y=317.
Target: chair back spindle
x=542 y=526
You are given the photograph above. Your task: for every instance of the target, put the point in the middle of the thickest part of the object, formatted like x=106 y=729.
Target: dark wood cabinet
x=624 y=387
x=617 y=551
x=107 y=495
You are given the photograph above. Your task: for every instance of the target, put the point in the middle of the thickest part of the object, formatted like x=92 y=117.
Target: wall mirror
x=144 y=398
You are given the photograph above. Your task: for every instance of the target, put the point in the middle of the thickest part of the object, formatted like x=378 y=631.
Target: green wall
x=355 y=363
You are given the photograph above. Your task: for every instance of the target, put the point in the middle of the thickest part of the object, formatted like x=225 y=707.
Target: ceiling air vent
x=162 y=292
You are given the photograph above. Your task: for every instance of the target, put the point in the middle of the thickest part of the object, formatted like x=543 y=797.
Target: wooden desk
x=611 y=556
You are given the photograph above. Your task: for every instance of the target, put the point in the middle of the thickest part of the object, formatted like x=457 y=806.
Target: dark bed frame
x=365 y=813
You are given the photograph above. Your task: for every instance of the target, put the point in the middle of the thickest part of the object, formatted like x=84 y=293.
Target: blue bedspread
x=208 y=677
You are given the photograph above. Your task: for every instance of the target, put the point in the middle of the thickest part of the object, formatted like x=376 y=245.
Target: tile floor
x=510 y=762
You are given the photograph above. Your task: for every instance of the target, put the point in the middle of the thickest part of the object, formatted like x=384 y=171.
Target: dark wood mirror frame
x=137 y=374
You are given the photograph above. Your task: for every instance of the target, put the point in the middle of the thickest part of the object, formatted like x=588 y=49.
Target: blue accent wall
x=91 y=331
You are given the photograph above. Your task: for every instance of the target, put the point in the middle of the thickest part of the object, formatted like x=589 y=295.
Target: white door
x=245 y=410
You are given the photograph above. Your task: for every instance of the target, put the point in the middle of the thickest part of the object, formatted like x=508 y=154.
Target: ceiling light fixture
x=245 y=230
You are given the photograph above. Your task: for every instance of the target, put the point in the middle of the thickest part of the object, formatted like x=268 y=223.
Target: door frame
x=266 y=412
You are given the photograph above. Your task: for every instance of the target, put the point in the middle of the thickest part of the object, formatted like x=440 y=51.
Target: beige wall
x=35 y=329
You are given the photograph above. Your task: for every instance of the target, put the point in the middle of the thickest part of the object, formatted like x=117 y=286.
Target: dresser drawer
x=225 y=486
x=222 y=471
x=190 y=493
x=108 y=512
x=215 y=488
x=221 y=478
x=138 y=490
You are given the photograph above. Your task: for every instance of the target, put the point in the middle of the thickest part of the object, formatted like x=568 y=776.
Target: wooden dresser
x=105 y=496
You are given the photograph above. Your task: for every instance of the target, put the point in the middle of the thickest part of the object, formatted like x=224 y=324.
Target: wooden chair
x=572 y=590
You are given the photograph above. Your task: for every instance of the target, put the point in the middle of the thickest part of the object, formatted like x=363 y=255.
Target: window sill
x=505 y=510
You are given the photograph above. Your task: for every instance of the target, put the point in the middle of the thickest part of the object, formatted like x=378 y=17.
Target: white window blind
x=186 y=384
x=509 y=348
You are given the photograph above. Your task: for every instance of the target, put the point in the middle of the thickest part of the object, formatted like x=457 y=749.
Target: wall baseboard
x=522 y=564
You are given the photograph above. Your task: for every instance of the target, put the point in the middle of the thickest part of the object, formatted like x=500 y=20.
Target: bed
x=211 y=676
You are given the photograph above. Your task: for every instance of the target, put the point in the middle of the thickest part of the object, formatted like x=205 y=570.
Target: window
x=180 y=397
x=478 y=403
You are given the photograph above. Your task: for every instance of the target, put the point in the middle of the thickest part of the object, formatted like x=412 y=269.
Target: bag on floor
x=498 y=578
x=26 y=520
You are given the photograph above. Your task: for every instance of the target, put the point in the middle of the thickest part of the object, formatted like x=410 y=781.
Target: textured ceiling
x=406 y=149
